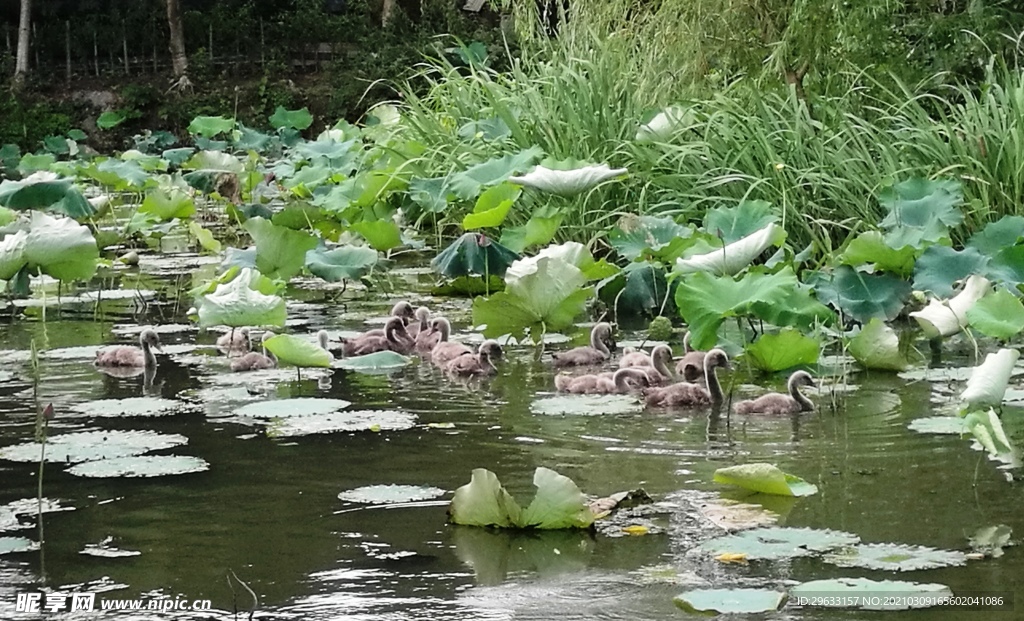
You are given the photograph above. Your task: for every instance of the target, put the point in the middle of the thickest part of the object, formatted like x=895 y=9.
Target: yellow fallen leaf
x=635 y=530
x=375 y=427
x=732 y=557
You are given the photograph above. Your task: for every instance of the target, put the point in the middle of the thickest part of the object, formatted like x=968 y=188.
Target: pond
x=267 y=509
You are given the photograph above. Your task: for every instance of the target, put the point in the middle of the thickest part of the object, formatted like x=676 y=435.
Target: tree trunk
x=179 y=61
x=386 y=11
x=24 y=26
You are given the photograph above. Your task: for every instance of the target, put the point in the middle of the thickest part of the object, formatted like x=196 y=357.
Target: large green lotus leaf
x=705 y=301
x=110 y=119
x=940 y=267
x=377 y=363
x=140 y=466
x=215 y=160
x=997 y=235
x=484 y=502
x=987 y=429
x=205 y=237
x=280 y=251
x=331 y=153
x=492 y=206
x=383 y=235
x=343 y=263
x=735 y=256
x=493 y=128
x=861 y=295
x=636 y=236
x=734 y=223
x=559 y=503
x=177 y=157
x=798 y=309
x=869 y=248
x=503 y=313
x=543 y=290
x=764 y=478
x=432 y=195
x=473 y=254
x=895 y=557
x=988 y=381
x=644 y=289
x=299 y=216
x=730 y=601
x=568 y=182
x=372 y=187
x=61 y=248
x=70 y=448
x=210 y=126
x=468 y=184
x=539 y=230
x=303 y=182
x=866 y=594
x=12 y=254
x=44 y=194
x=1007 y=267
x=774 y=543
x=999 y=315
x=118 y=174
x=298 y=351
x=295 y=119
x=236 y=303
x=920 y=211
x=169 y=203
x=876 y=346
x=249 y=139
x=785 y=350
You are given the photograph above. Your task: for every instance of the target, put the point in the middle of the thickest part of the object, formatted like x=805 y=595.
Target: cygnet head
x=716 y=358
x=151 y=338
x=802 y=378
x=403 y=309
x=491 y=349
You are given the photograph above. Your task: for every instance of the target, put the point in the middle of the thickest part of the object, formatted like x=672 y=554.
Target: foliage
x=764 y=478
x=557 y=504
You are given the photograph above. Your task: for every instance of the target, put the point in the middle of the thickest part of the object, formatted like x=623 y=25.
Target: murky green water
x=268 y=511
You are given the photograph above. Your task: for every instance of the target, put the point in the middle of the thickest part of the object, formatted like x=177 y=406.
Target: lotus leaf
x=1003 y=233
x=948 y=317
x=295 y=119
x=870 y=248
x=987 y=383
x=473 y=254
x=493 y=128
x=11 y=545
x=990 y=540
x=895 y=557
x=940 y=267
x=118 y=174
x=988 y=430
x=280 y=251
x=637 y=236
x=999 y=315
x=484 y=502
x=468 y=184
x=390 y=494
x=861 y=295
x=730 y=601
x=798 y=309
x=167 y=204
x=876 y=346
x=920 y=211
x=297 y=407
x=557 y=504
x=110 y=119
x=210 y=126
x=665 y=123
x=764 y=478
x=952 y=425
x=45 y=193
x=567 y=182
x=89 y=445
x=204 y=237
x=61 y=248
x=140 y=466
x=785 y=350
x=586 y=405
x=12 y=254
x=341 y=263
x=539 y=230
x=383 y=235
x=298 y=351
x=773 y=543
x=131 y=406
x=866 y=594
x=205 y=161
x=377 y=362
x=432 y=195
x=347 y=421
x=238 y=303
x=492 y=206
x=642 y=289
x=731 y=224
x=734 y=257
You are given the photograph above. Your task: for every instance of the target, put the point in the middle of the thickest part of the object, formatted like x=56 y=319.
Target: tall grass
x=821 y=164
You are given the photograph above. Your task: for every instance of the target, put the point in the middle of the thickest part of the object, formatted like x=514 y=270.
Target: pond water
x=267 y=509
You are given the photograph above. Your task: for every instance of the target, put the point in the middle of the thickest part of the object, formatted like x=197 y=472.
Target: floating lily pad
x=990 y=540
x=730 y=601
x=868 y=594
x=778 y=543
x=390 y=494
x=132 y=406
x=103 y=549
x=144 y=466
x=586 y=405
x=10 y=545
x=89 y=445
x=730 y=515
x=895 y=557
x=764 y=478
x=377 y=362
x=360 y=420
x=953 y=425
x=288 y=408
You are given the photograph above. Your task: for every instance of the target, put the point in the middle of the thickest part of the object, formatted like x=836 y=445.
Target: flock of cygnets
x=410 y=331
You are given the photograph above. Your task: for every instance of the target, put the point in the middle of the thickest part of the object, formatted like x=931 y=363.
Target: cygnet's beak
x=159 y=347
x=811 y=382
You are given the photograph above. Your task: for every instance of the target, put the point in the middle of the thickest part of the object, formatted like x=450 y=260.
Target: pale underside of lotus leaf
x=347 y=421
x=237 y=303
x=557 y=504
x=895 y=557
x=943 y=318
x=730 y=601
x=586 y=405
x=867 y=594
x=988 y=382
x=573 y=253
x=775 y=543
x=300 y=406
x=734 y=257
x=132 y=406
x=390 y=494
x=90 y=445
x=143 y=466
x=380 y=362
x=61 y=248
x=664 y=124
x=567 y=182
